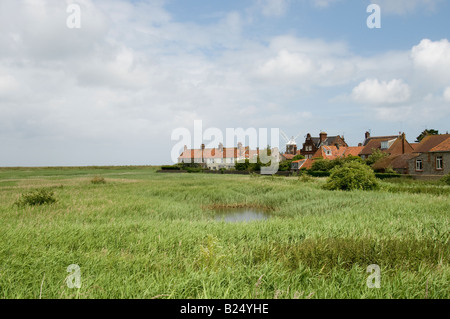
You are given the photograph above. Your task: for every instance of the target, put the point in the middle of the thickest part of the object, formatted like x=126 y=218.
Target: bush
x=446 y=179
x=318 y=173
x=98 y=180
x=350 y=176
x=36 y=198
x=170 y=168
x=387 y=175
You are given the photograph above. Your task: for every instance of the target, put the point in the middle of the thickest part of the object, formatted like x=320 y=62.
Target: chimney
x=203 y=146
x=403 y=143
x=220 y=147
x=323 y=137
x=185 y=148
x=359 y=144
x=367 y=135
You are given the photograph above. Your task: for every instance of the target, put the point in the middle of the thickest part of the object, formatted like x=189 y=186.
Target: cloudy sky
x=112 y=91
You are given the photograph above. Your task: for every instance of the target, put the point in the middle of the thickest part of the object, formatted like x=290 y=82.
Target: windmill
x=291 y=145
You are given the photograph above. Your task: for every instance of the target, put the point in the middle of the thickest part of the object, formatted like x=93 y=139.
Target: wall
x=429 y=164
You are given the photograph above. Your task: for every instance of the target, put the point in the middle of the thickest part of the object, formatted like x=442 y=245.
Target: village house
x=392 y=145
x=431 y=157
x=217 y=158
x=331 y=152
x=312 y=144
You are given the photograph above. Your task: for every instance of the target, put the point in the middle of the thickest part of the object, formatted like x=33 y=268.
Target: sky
x=113 y=91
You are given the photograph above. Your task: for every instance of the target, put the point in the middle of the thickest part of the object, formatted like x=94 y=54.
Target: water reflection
x=241 y=215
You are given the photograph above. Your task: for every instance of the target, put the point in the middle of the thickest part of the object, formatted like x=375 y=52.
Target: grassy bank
x=146 y=235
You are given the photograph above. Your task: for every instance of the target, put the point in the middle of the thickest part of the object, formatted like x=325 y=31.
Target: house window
x=419 y=166
x=439 y=162
x=327 y=152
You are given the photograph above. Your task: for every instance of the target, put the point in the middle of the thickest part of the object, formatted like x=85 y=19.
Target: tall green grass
x=146 y=235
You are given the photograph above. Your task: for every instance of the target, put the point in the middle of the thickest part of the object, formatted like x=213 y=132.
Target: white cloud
x=431 y=60
x=372 y=91
x=447 y=94
x=406 y=6
x=324 y=3
x=114 y=89
x=273 y=8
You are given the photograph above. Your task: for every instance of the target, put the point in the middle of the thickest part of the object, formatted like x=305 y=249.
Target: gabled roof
x=432 y=143
x=442 y=147
x=304 y=163
x=336 y=152
x=394 y=161
x=353 y=150
x=375 y=143
x=288 y=156
x=384 y=138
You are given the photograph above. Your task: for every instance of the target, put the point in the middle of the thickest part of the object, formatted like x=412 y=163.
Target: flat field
x=144 y=234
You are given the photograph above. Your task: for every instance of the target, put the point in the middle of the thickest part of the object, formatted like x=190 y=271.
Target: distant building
x=312 y=144
x=392 y=145
x=217 y=158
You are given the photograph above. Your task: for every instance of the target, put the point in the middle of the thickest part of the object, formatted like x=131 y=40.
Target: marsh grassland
x=140 y=234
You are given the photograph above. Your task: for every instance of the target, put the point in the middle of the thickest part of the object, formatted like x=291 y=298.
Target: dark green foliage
x=330 y=253
x=376 y=156
x=251 y=167
x=298 y=157
x=446 y=179
x=350 y=176
x=321 y=165
x=171 y=167
x=284 y=166
x=98 y=180
x=318 y=173
x=36 y=198
x=387 y=175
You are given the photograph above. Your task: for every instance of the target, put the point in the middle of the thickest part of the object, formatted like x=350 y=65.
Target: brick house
x=432 y=157
x=393 y=145
x=217 y=158
x=312 y=144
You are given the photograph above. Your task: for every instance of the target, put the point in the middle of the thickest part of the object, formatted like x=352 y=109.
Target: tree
x=298 y=157
x=425 y=133
x=351 y=175
x=375 y=156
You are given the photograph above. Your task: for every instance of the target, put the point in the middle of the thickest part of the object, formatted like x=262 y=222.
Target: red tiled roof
x=336 y=152
x=289 y=156
x=435 y=143
x=394 y=161
x=229 y=152
x=353 y=150
x=375 y=143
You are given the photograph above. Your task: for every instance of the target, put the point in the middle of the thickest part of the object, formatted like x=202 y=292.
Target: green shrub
x=36 y=198
x=350 y=176
x=387 y=175
x=98 y=180
x=318 y=173
x=446 y=179
x=170 y=168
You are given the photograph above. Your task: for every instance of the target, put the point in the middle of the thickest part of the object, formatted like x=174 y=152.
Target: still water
x=241 y=215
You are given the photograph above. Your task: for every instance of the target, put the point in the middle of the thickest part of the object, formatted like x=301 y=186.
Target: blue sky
x=113 y=91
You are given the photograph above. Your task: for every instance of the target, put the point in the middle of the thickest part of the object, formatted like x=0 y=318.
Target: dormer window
x=384 y=145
